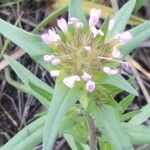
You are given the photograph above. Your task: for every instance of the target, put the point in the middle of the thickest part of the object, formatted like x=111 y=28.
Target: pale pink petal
x=94 y=16
x=54 y=73
x=62 y=24
x=110 y=71
x=49 y=58
x=86 y=76
x=55 y=61
x=46 y=38
x=124 y=37
x=96 y=31
x=90 y=86
x=53 y=35
x=116 y=53
x=111 y=24
x=70 y=81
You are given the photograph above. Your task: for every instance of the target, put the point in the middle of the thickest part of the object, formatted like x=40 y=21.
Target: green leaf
x=74 y=144
x=129 y=115
x=29 y=42
x=126 y=102
x=25 y=133
x=138 y=134
x=142 y=116
x=107 y=120
x=122 y=17
x=75 y=10
x=116 y=81
x=27 y=78
x=63 y=98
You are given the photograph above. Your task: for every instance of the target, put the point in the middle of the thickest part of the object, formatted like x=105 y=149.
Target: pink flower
x=110 y=71
x=116 y=53
x=49 y=58
x=94 y=16
x=55 y=61
x=90 y=86
x=86 y=76
x=53 y=35
x=54 y=73
x=70 y=81
x=62 y=24
x=111 y=24
x=124 y=37
x=46 y=38
x=96 y=31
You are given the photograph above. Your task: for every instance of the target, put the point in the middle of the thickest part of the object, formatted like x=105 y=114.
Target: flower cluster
x=80 y=54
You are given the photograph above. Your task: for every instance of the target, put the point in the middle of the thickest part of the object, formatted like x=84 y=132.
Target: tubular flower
x=70 y=81
x=110 y=71
x=54 y=73
x=116 y=53
x=82 y=53
x=62 y=24
x=94 y=16
x=90 y=86
x=124 y=37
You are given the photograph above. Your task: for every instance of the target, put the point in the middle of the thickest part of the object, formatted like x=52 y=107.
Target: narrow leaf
x=63 y=98
x=75 y=10
x=27 y=78
x=108 y=123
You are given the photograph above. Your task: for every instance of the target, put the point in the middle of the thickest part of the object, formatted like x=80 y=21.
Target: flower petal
x=90 y=86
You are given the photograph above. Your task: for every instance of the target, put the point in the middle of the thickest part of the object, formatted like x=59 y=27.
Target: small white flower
x=73 y=21
x=46 y=38
x=124 y=37
x=53 y=35
x=49 y=58
x=55 y=61
x=62 y=24
x=96 y=31
x=54 y=73
x=116 y=53
x=90 y=86
x=86 y=76
x=111 y=24
x=70 y=81
x=87 y=48
x=94 y=16
x=79 y=25
x=110 y=71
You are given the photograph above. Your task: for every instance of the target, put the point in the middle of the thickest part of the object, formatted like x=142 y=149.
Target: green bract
x=72 y=110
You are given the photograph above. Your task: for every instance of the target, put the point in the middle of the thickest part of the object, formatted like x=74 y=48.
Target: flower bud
x=55 y=61
x=46 y=38
x=62 y=24
x=53 y=35
x=111 y=24
x=86 y=76
x=90 y=86
x=94 y=16
x=79 y=25
x=110 y=71
x=54 y=73
x=49 y=58
x=73 y=21
x=116 y=53
x=124 y=37
x=70 y=81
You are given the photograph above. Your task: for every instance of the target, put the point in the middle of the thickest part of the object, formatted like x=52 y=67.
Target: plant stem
x=92 y=134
